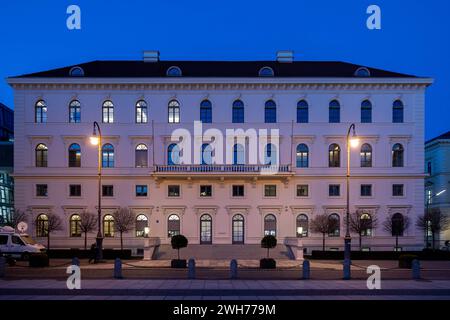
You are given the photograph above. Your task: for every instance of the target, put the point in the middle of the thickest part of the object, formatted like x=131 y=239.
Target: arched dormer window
x=266 y=72
x=76 y=72
x=174 y=72
x=362 y=72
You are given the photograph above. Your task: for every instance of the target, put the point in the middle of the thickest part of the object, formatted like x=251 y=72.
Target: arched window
x=334 y=156
x=174 y=72
x=173 y=154
x=334 y=114
x=205 y=229
x=141 y=226
x=334 y=225
x=174 y=111
x=108 y=226
x=270 y=112
x=238 y=154
x=302 y=225
x=270 y=225
x=238 y=111
x=206 y=155
x=238 y=229
x=397 y=225
x=302 y=156
x=397 y=155
x=366 y=111
x=366 y=155
x=362 y=72
x=366 y=224
x=302 y=112
x=173 y=225
x=75 y=111
x=266 y=72
x=76 y=72
x=42 y=225
x=107 y=156
x=75 y=225
x=74 y=155
x=141 y=112
x=41 y=155
x=270 y=154
x=206 y=111
x=108 y=111
x=397 y=111
x=40 y=112
x=141 y=156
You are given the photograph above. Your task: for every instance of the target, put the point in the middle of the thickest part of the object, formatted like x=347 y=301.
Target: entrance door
x=238 y=229
x=205 y=229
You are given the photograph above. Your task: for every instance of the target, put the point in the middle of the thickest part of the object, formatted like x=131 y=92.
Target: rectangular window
x=141 y=190
x=75 y=190
x=206 y=191
x=397 y=190
x=107 y=191
x=334 y=190
x=41 y=190
x=270 y=190
x=302 y=190
x=173 y=191
x=238 y=190
x=366 y=190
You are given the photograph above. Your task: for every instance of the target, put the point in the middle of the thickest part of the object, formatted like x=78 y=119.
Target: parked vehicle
x=16 y=245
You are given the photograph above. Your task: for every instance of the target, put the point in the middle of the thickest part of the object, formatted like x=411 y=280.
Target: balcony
x=221 y=169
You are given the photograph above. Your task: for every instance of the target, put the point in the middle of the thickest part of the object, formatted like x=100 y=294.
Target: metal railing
x=226 y=168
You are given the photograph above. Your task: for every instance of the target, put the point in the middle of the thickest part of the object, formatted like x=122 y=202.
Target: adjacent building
x=437 y=185
x=6 y=163
x=220 y=190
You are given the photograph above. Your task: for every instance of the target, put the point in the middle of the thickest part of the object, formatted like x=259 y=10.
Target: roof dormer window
x=76 y=72
x=266 y=72
x=174 y=72
x=362 y=72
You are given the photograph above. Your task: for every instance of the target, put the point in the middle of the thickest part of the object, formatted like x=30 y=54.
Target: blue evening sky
x=414 y=39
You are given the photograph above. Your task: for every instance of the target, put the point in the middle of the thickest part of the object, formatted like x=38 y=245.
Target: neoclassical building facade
x=217 y=193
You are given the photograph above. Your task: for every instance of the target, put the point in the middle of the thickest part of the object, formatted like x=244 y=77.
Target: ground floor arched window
x=334 y=225
x=302 y=225
x=205 y=229
x=173 y=225
x=75 y=225
x=270 y=225
x=142 y=229
x=42 y=225
x=108 y=226
x=238 y=229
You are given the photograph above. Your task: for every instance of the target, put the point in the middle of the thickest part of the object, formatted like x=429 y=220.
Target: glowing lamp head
x=94 y=140
x=354 y=142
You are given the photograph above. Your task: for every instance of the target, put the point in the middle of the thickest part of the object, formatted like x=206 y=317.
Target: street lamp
x=96 y=140
x=428 y=222
x=353 y=142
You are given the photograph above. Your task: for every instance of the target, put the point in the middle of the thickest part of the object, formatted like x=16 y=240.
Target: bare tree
x=322 y=224
x=396 y=225
x=362 y=223
x=123 y=222
x=87 y=224
x=16 y=217
x=433 y=221
x=53 y=223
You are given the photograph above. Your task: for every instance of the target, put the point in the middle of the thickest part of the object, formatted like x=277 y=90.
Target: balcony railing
x=223 y=168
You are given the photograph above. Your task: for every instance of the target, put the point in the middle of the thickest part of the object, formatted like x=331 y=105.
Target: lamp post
x=96 y=139
x=352 y=141
x=428 y=222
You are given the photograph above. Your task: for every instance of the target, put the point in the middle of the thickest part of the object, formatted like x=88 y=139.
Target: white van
x=17 y=245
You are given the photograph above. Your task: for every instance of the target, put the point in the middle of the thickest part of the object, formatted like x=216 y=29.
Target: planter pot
x=267 y=263
x=178 y=263
x=38 y=260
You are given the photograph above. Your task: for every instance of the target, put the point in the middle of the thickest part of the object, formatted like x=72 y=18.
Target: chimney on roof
x=285 y=56
x=151 y=56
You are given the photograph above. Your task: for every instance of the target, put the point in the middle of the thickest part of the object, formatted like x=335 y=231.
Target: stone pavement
x=223 y=290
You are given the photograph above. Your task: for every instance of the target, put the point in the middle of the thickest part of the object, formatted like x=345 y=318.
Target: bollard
x=75 y=261
x=233 y=269
x=347 y=272
x=2 y=266
x=416 y=269
x=118 y=269
x=306 y=270
x=191 y=269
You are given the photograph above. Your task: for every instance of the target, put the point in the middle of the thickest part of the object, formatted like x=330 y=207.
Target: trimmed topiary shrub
x=268 y=242
x=178 y=242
